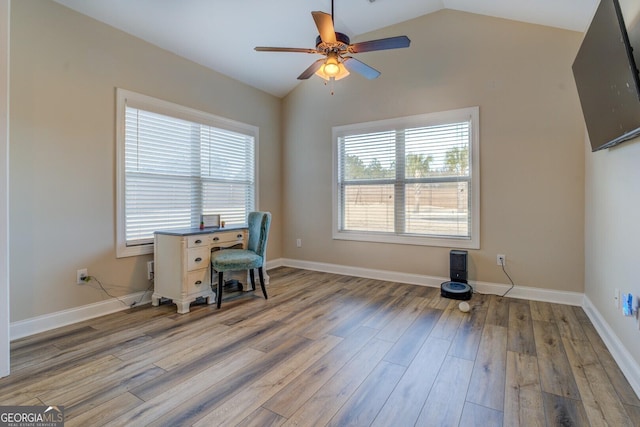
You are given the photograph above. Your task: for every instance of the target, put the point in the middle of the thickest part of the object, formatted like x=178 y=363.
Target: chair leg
x=220 y=286
x=264 y=290
x=252 y=276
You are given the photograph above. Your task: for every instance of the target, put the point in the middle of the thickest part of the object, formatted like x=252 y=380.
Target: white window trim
x=406 y=122
x=5 y=355
x=137 y=100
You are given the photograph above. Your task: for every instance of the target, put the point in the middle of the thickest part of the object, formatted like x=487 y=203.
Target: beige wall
x=65 y=68
x=64 y=71
x=612 y=226
x=531 y=139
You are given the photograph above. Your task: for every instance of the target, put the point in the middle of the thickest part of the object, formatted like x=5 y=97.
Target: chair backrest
x=259 y=224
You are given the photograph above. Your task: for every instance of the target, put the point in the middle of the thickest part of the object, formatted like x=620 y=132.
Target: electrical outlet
x=501 y=259
x=299 y=243
x=81 y=276
x=149 y=270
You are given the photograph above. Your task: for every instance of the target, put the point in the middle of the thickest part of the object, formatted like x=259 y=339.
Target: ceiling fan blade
x=380 y=44
x=311 y=70
x=360 y=67
x=324 y=22
x=284 y=49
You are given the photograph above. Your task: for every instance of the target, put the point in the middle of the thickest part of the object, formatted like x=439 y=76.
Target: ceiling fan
x=336 y=48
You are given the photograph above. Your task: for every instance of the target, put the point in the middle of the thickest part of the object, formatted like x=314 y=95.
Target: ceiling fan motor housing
x=342 y=43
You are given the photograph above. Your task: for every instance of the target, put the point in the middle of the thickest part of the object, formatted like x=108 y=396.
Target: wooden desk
x=182 y=263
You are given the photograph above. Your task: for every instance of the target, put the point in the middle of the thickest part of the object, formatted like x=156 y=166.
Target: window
x=174 y=164
x=412 y=180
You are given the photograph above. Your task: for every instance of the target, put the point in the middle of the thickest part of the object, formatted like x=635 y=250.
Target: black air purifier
x=457 y=288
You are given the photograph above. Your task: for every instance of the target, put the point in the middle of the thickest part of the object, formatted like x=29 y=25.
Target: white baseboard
x=530 y=293
x=24 y=328
x=50 y=321
x=35 y=325
x=536 y=294
x=630 y=368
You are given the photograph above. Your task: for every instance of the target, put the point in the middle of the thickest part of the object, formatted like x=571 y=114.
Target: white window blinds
x=407 y=178
x=176 y=169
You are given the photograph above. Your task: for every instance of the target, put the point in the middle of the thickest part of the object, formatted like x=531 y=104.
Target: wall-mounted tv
x=607 y=77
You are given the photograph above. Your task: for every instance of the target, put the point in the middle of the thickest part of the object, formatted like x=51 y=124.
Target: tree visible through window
x=412 y=183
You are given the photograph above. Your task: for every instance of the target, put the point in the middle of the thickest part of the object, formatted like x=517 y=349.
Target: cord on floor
x=133 y=304
x=508 y=277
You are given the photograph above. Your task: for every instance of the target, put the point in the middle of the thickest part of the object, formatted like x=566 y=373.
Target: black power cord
x=133 y=304
x=509 y=277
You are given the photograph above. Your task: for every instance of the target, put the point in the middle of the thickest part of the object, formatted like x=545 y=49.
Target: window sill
x=448 y=242
x=127 y=251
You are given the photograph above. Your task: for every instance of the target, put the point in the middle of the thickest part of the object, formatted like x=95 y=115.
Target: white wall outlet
x=616 y=297
x=501 y=259
x=81 y=275
x=299 y=243
x=149 y=270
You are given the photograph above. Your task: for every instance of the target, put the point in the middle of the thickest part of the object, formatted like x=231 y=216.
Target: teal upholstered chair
x=244 y=259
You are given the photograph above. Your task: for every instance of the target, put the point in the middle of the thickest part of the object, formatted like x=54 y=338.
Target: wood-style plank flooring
x=328 y=350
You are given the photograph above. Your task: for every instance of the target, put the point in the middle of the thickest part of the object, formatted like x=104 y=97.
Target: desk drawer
x=226 y=237
x=198 y=258
x=198 y=281
x=198 y=240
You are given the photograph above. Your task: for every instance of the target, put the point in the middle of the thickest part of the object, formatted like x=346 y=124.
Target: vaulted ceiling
x=221 y=34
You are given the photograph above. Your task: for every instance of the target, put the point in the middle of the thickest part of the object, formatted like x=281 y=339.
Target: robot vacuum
x=456 y=290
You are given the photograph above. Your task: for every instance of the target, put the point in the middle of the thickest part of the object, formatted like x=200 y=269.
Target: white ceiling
x=221 y=34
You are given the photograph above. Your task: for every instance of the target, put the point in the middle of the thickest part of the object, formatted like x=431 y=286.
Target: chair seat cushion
x=235 y=259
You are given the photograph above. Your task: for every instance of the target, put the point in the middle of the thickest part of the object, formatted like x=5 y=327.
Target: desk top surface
x=196 y=230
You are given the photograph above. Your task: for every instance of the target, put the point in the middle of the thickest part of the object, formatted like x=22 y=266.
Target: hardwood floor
x=332 y=350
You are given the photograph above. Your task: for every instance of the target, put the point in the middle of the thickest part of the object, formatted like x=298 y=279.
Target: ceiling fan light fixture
x=341 y=74
x=331 y=67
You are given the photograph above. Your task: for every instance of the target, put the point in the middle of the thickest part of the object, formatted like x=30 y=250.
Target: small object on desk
x=222 y=224
x=210 y=221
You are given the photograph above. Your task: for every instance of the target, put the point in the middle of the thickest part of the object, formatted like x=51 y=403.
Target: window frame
x=136 y=100
x=430 y=119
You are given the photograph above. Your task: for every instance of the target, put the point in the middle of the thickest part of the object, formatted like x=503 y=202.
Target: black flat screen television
x=607 y=77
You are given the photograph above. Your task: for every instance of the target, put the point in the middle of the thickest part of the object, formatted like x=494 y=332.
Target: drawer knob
x=199 y=282
x=215 y=239
x=198 y=259
x=239 y=236
x=198 y=241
